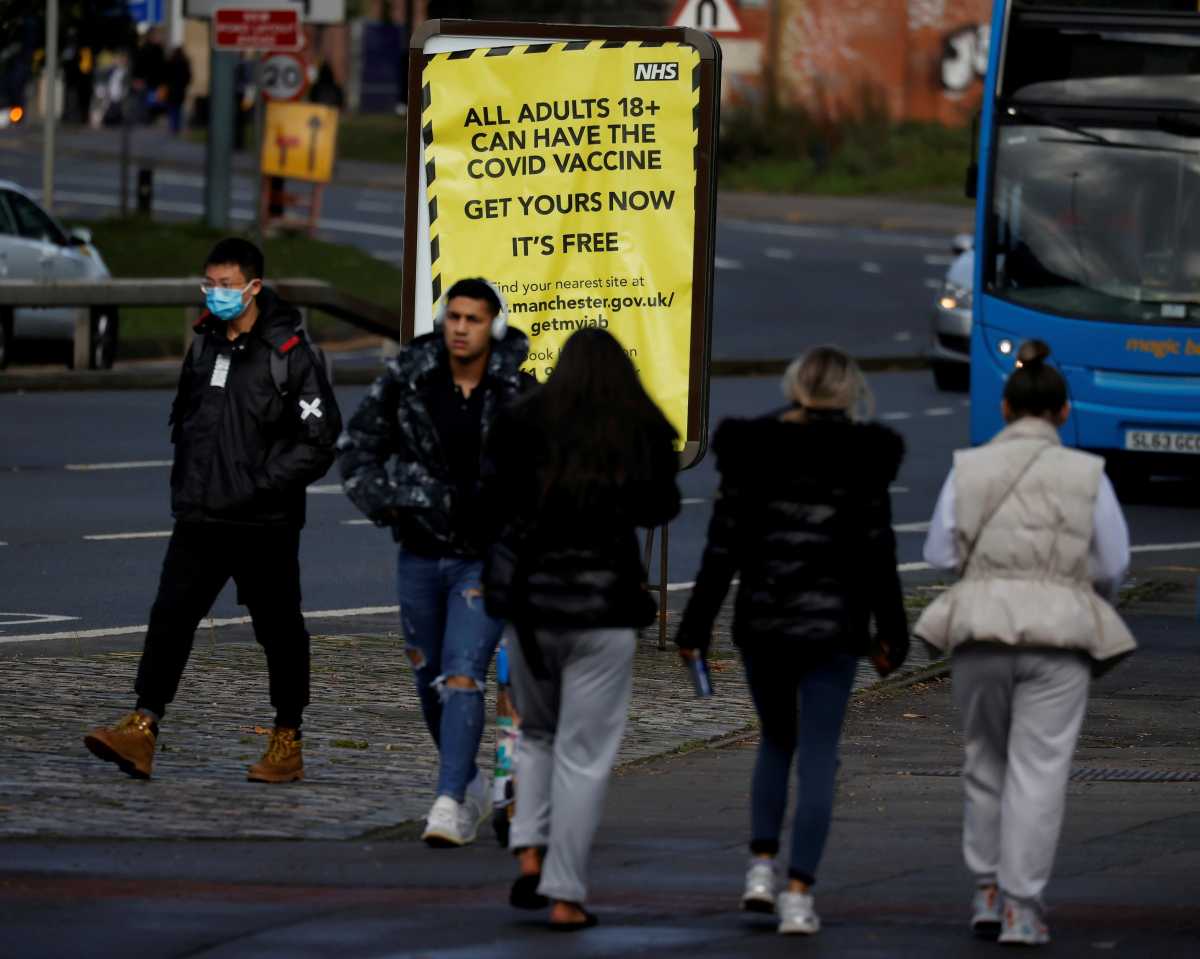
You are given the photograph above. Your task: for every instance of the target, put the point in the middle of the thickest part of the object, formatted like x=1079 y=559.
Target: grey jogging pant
x=571 y=726
x=1021 y=711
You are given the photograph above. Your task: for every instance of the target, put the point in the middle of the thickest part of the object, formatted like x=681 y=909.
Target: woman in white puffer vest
x=1038 y=539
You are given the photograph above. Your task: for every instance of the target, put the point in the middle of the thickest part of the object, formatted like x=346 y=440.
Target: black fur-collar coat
x=804 y=519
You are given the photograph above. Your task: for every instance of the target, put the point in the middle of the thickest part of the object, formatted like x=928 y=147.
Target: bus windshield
x=1098 y=223
x=1095 y=202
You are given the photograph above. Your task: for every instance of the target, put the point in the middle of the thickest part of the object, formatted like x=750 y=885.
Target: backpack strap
x=279 y=361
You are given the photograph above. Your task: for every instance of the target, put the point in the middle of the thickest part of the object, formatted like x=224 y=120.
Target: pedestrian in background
x=411 y=461
x=579 y=464
x=1038 y=539
x=178 y=74
x=254 y=422
x=803 y=516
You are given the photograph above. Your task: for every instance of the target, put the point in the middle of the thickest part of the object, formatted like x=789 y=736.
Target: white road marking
x=911 y=527
x=1164 y=547
x=931 y=284
x=32 y=619
x=374 y=206
x=939 y=411
x=896 y=415
x=232 y=621
x=902 y=337
x=326 y=488
x=357 y=522
x=692 y=501
x=897 y=489
x=836 y=233
x=778 y=253
x=155 y=534
x=912 y=567
x=939 y=259
x=131 y=465
x=869 y=266
x=722 y=263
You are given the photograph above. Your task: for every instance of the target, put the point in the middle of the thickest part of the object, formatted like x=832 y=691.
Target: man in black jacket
x=410 y=460
x=254 y=422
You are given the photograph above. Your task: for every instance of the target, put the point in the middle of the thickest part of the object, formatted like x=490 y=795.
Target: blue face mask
x=226 y=304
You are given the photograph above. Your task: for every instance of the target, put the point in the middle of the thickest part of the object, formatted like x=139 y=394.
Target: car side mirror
x=961 y=243
x=79 y=236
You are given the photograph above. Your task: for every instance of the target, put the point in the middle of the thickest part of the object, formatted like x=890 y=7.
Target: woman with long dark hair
x=579 y=464
x=804 y=518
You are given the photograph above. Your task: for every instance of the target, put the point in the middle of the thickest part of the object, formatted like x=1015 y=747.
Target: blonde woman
x=804 y=518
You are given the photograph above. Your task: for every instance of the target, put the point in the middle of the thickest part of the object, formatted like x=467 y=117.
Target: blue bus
x=1088 y=220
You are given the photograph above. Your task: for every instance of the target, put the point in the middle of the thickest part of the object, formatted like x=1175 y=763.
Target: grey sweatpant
x=1021 y=711
x=571 y=726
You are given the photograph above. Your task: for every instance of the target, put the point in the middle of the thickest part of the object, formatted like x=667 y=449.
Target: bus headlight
x=1005 y=347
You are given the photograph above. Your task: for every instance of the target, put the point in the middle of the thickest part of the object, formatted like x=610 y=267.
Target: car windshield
x=1098 y=222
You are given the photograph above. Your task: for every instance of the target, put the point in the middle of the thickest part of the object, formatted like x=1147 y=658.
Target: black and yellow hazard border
x=531 y=38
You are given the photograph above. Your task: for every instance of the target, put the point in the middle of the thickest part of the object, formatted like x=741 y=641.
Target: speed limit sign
x=284 y=76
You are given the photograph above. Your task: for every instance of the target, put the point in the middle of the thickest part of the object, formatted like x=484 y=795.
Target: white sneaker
x=986 y=914
x=761 y=881
x=475 y=810
x=1022 y=925
x=796 y=914
x=443 y=825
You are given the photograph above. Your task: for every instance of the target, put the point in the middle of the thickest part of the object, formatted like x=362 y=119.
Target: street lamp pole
x=50 y=104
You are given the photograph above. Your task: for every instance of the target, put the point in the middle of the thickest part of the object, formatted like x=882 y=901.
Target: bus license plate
x=1162 y=441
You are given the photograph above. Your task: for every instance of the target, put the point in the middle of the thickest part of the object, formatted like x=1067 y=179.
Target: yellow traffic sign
x=299 y=141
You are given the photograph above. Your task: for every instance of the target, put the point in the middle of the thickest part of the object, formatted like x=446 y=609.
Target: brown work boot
x=129 y=744
x=283 y=761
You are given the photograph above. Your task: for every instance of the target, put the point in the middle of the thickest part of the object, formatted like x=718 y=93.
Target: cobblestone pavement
x=369 y=763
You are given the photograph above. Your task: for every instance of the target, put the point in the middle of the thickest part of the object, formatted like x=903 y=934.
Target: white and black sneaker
x=762 y=879
x=986 y=914
x=443 y=825
x=475 y=809
x=797 y=914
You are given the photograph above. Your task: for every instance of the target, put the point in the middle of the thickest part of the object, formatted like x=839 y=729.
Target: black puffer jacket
x=579 y=566
x=804 y=518
x=393 y=466
x=244 y=453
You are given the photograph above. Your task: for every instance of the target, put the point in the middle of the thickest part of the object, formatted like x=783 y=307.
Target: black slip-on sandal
x=524 y=894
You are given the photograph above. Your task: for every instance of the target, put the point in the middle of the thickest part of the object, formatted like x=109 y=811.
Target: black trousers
x=264 y=562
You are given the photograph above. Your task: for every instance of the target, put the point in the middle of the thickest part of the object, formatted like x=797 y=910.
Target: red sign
x=238 y=29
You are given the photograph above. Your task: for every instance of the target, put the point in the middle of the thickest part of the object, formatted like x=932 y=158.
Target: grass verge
x=135 y=247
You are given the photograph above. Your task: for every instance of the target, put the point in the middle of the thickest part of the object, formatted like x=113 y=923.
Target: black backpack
x=279 y=357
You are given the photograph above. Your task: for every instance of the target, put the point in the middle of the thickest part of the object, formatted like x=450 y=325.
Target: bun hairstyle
x=826 y=378
x=477 y=288
x=1035 y=388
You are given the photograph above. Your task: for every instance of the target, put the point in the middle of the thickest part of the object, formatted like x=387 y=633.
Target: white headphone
x=499 y=321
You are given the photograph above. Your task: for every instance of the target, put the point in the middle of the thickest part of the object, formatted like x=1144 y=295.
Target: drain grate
x=1094 y=774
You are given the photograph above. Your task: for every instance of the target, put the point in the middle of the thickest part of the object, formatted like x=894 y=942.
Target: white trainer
x=475 y=810
x=443 y=825
x=761 y=882
x=797 y=915
x=986 y=914
x=1022 y=925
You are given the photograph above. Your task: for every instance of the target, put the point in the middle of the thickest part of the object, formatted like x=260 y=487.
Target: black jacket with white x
x=244 y=452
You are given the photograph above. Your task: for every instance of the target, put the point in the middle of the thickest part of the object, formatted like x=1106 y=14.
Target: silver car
x=34 y=246
x=950 y=340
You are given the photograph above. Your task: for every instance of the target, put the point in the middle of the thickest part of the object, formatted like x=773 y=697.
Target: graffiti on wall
x=965 y=57
x=821 y=49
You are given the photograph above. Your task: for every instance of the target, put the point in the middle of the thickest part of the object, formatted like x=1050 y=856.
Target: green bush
x=791 y=150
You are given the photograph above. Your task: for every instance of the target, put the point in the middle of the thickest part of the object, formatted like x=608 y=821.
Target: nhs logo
x=656 y=71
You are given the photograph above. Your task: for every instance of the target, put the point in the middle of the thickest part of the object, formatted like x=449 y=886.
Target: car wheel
x=952 y=377
x=6 y=331
x=104 y=338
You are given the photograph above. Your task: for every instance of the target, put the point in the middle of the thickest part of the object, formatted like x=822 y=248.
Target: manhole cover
x=1092 y=774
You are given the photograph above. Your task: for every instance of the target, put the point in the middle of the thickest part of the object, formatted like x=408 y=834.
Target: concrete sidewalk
x=668 y=862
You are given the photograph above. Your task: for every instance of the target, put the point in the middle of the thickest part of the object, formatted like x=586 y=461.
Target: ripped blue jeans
x=448 y=633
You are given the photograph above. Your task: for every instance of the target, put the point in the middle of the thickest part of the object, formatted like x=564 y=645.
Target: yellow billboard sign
x=299 y=141
x=566 y=173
